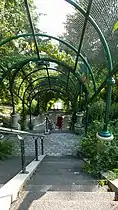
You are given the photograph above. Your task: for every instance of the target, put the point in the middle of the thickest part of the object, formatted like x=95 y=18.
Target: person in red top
x=59 y=122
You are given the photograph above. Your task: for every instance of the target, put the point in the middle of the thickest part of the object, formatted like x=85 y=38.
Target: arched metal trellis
x=17 y=66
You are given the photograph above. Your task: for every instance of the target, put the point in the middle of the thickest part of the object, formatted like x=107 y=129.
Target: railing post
x=87 y=114
x=42 y=148
x=22 y=154
x=36 y=148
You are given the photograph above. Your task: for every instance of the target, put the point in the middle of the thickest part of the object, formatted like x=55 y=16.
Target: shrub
x=6 y=149
x=114 y=111
x=6 y=121
x=97 y=110
x=101 y=155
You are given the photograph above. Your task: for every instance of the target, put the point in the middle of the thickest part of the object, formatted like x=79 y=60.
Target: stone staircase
x=60 y=184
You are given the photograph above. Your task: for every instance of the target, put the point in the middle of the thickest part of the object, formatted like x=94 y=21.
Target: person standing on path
x=59 y=122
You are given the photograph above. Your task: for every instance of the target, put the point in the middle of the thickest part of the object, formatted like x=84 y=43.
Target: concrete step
x=61 y=180
x=66 y=188
x=69 y=205
x=72 y=195
x=61 y=171
x=35 y=199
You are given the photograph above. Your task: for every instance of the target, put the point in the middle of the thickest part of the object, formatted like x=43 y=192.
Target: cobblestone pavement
x=59 y=183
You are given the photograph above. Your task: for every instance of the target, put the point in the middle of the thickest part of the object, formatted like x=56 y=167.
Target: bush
x=114 y=111
x=102 y=155
x=97 y=110
x=6 y=149
x=6 y=121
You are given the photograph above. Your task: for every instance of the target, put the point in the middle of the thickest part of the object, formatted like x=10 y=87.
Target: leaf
x=115 y=27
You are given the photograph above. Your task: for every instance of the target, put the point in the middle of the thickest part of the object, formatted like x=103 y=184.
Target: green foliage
x=13 y=21
x=6 y=121
x=52 y=51
x=115 y=26
x=73 y=34
x=14 y=17
x=113 y=174
x=23 y=118
x=97 y=110
x=114 y=111
x=103 y=182
x=6 y=149
x=101 y=155
x=73 y=120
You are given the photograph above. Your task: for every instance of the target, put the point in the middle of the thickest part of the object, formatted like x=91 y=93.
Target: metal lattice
x=80 y=33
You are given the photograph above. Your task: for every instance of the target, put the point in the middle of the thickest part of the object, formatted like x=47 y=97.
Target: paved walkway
x=10 y=167
x=59 y=183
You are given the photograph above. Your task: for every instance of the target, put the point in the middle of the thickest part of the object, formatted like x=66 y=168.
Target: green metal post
x=32 y=28
x=46 y=124
x=83 y=32
x=87 y=113
x=42 y=147
x=23 y=156
x=36 y=149
x=48 y=76
x=80 y=99
x=105 y=133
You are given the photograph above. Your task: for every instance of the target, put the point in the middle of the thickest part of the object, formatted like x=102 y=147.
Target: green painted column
x=87 y=113
x=105 y=134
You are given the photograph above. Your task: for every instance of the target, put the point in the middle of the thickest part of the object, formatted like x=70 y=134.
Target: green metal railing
x=21 y=136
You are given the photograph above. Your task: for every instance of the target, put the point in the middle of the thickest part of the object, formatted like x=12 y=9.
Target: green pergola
x=71 y=83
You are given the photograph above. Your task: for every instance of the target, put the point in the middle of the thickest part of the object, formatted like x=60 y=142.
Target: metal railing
x=21 y=136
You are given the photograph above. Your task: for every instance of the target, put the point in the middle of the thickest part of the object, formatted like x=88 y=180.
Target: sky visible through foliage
x=55 y=12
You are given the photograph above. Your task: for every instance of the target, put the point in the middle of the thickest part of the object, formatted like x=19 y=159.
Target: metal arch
x=33 y=88
x=55 y=83
x=55 y=90
x=114 y=71
x=53 y=86
x=83 y=32
x=20 y=98
x=102 y=38
x=61 y=72
x=48 y=76
x=34 y=59
x=32 y=28
x=60 y=40
x=47 y=89
x=41 y=78
x=42 y=91
x=91 y=20
x=36 y=88
x=43 y=69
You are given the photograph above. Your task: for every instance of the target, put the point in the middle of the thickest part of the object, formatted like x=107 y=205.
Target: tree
x=13 y=21
x=105 y=15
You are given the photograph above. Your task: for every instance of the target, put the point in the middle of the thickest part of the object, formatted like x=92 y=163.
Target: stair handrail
x=21 y=138
x=16 y=132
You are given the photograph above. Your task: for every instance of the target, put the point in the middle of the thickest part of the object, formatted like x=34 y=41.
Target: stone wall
x=55 y=144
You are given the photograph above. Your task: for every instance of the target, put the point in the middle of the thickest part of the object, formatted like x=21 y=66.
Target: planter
x=14 y=121
x=78 y=127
